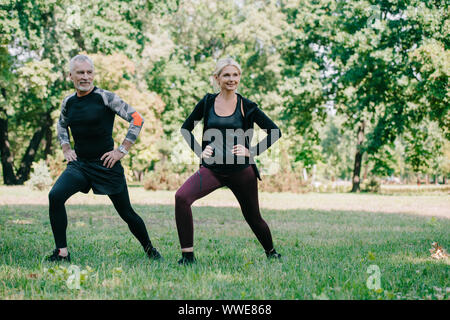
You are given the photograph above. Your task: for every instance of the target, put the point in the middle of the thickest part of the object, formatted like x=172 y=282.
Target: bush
x=56 y=164
x=40 y=178
x=164 y=178
x=285 y=180
x=373 y=185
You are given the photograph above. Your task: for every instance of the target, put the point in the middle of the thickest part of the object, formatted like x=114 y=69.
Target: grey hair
x=222 y=63
x=79 y=58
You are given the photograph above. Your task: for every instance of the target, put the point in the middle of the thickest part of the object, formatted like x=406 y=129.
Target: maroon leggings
x=244 y=186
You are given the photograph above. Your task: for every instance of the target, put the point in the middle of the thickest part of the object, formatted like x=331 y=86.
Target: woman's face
x=228 y=79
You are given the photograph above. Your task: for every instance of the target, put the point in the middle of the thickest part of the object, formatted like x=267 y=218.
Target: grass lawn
x=327 y=248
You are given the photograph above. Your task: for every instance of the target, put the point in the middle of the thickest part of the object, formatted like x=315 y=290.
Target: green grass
x=326 y=254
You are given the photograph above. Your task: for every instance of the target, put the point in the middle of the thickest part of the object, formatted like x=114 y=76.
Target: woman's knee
x=255 y=219
x=181 y=198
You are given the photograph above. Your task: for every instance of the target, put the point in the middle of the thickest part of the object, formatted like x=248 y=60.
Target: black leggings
x=244 y=186
x=71 y=182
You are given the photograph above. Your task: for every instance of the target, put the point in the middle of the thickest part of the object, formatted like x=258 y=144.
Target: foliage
x=40 y=178
x=163 y=177
x=372 y=185
x=56 y=164
x=41 y=37
x=370 y=55
x=423 y=144
x=319 y=69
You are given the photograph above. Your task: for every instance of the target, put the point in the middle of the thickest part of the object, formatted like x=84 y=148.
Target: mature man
x=94 y=163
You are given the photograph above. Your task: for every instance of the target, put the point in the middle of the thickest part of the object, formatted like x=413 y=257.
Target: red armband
x=137 y=119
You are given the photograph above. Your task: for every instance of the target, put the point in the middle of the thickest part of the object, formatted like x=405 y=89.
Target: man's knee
x=55 y=196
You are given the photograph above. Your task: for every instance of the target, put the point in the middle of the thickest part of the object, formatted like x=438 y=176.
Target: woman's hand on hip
x=240 y=150
x=207 y=152
x=110 y=158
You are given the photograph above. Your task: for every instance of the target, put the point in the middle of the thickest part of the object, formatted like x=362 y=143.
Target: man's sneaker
x=153 y=254
x=273 y=254
x=56 y=257
x=187 y=258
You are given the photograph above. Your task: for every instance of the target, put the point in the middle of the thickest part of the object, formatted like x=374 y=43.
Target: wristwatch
x=122 y=149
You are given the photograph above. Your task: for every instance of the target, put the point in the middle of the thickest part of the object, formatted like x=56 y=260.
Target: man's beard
x=85 y=87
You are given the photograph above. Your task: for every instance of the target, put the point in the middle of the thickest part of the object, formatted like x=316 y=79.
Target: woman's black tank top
x=223 y=133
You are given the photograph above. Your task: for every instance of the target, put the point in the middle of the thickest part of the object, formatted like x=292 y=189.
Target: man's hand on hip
x=110 y=158
x=69 y=154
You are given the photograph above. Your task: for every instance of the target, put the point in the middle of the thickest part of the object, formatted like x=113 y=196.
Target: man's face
x=82 y=75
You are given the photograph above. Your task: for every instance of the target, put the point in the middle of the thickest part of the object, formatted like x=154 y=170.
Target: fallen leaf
x=22 y=221
x=437 y=252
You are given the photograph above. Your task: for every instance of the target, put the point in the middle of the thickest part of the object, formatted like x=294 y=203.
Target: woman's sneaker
x=56 y=257
x=187 y=258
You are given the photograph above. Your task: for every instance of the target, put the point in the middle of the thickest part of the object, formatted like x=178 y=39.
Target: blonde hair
x=222 y=63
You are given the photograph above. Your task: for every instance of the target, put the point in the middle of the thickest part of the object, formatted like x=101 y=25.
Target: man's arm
x=128 y=113
x=63 y=133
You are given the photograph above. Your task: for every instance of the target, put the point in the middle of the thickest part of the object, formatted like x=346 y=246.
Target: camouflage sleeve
x=125 y=111
x=61 y=126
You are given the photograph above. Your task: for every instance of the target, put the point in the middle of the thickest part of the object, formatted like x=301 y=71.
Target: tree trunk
x=9 y=178
x=48 y=137
x=356 y=180
x=23 y=174
x=366 y=169
x=25 y=166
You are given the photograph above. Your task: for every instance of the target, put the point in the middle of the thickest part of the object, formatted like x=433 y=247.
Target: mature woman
x=226 y=158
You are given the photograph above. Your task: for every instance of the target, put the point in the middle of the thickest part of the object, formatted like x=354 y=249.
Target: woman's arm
x=272 y=130
x=189 y=125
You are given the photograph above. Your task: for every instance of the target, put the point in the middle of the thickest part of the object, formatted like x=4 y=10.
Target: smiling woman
x=227 y=72
x=226 y=156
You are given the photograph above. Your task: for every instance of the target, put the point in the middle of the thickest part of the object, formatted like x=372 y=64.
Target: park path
x=425 y=205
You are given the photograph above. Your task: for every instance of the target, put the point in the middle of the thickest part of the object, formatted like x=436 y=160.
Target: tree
x=424 y=144
x=40 y=38
x=368 y=75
